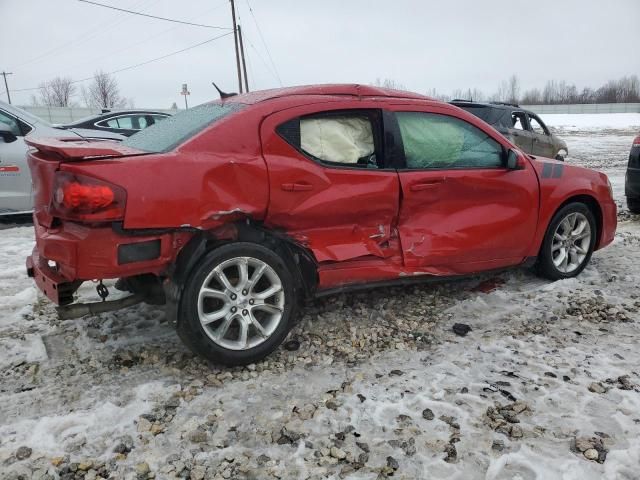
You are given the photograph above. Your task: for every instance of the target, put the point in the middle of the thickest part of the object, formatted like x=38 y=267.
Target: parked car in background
x=522 y=127
x=15 y=179
x=255 y=202
x=124 y=122
x=632 y=178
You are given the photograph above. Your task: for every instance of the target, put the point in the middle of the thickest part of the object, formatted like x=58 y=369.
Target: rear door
x=15 y=180
x=542 y=141
x=462 y=210
x=328 y=188
x=520 y=132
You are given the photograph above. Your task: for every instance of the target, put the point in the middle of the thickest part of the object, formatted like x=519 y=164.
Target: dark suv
x=632 y=179
x=520 y=126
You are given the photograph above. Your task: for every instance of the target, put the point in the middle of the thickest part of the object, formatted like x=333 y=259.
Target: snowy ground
x=380 y=386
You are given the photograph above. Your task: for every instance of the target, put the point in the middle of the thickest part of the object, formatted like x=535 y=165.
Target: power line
x=264 y=62
x=130 y=67
x=153 y=16
x=94 y=31
x=264 y=43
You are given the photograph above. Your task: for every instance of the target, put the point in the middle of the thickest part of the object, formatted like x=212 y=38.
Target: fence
x=71 y=114
x=586 y=108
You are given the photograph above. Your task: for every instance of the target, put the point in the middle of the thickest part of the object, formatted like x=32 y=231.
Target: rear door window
x=518 y=121
x=344 y=138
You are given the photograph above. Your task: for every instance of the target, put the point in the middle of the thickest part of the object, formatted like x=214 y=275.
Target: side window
x=142 y=122
x=518 y=121
x=113 y=123
x=537 y=126
x=440 y=141
x=11 y=122
x=127 y=122
x=157 y=118
x=336 y=138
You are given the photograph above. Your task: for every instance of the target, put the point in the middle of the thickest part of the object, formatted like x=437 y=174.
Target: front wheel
x=238 y=304
x=568 y=243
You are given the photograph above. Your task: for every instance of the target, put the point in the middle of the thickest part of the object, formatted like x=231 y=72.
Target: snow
x=593 y=121
x=73 y=387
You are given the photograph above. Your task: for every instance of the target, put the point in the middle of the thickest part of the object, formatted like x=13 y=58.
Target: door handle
x=296 y=187
x=426 y=185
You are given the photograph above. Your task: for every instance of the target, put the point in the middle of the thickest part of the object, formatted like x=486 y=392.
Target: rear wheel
x=568 y=243
x=560 y=157
x=238 y=304
x=633 y=204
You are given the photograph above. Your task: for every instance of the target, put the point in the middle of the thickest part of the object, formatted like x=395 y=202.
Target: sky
x=446 y=45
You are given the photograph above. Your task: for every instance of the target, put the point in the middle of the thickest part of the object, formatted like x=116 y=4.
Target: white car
x=15 y=178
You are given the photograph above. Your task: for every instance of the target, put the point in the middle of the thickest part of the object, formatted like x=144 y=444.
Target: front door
x=15 y=179
x=520 y=132
x=328 y=188
x=462 y=210
x=542 y=142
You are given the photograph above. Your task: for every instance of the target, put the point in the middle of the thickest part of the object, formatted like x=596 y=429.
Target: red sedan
x=235 y=211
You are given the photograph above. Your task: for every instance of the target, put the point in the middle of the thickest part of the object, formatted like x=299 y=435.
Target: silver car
x=15 y=178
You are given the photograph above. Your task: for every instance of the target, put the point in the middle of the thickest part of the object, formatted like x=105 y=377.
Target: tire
x=560 y=157
x=633 y=204
x=577 y=248
x=235 y=307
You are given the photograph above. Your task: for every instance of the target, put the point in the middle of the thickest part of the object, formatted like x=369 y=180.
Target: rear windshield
x=490 y=115
x=168 y=134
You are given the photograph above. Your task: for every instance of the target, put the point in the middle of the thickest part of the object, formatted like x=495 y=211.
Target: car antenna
x=223 y=95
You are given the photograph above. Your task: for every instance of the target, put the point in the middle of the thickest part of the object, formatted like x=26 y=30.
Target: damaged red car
x=235 y=211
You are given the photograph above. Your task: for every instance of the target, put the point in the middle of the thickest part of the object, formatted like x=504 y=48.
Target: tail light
x=87 y=199
x=636 y=141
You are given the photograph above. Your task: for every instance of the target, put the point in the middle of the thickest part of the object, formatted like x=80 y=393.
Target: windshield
x=168 y=134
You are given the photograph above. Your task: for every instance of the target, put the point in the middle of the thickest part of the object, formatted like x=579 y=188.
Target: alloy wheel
x=571 y=242
x=241 y=303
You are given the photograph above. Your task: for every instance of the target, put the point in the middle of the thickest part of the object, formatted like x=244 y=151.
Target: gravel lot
x=545 y=385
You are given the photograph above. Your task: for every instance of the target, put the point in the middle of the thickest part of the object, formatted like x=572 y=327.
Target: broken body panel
x=355 y=224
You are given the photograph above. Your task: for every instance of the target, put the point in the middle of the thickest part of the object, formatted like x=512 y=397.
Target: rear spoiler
x=75 y=149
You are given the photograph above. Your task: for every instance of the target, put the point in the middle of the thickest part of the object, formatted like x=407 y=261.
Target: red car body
x=346 y=226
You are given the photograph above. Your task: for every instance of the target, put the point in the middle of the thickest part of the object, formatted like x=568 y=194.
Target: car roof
x=496 y=105
x=347 y=89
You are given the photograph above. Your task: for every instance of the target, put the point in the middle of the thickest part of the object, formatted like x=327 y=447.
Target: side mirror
x=7 y=134
x=513 y=161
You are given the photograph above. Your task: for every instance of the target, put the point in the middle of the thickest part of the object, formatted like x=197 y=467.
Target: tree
x=58 y=92
x=513 y=89
x=103 y=92
x=389 y=83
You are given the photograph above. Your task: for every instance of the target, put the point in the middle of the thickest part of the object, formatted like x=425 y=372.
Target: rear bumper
x=51 y=283
x=66 y=256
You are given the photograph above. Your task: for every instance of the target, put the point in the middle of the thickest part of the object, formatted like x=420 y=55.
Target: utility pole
x=235 y=39
x=6 y=85
x=244 y=64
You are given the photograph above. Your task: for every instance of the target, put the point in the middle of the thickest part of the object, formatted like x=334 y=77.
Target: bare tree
x=389 y=83
x=103 y=92
x=513 y=89
x=58 y=92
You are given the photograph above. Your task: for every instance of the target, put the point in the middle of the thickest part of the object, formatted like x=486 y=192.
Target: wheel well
x=300 y=261
x=593 y=205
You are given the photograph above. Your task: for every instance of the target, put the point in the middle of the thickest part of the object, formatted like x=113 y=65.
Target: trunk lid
x=47 y=155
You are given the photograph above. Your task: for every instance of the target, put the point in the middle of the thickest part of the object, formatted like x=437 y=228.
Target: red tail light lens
x=88 y=199
x=636 y=141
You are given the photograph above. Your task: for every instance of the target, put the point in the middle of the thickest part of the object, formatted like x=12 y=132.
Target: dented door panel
x=337 y=212
x=468 y=216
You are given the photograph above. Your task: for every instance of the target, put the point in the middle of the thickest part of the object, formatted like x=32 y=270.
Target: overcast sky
x=447 y=45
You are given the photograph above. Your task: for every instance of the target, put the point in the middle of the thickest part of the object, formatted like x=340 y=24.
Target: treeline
x=555 y=92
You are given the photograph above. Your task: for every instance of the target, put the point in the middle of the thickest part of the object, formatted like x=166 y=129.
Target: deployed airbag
x=342 y=139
